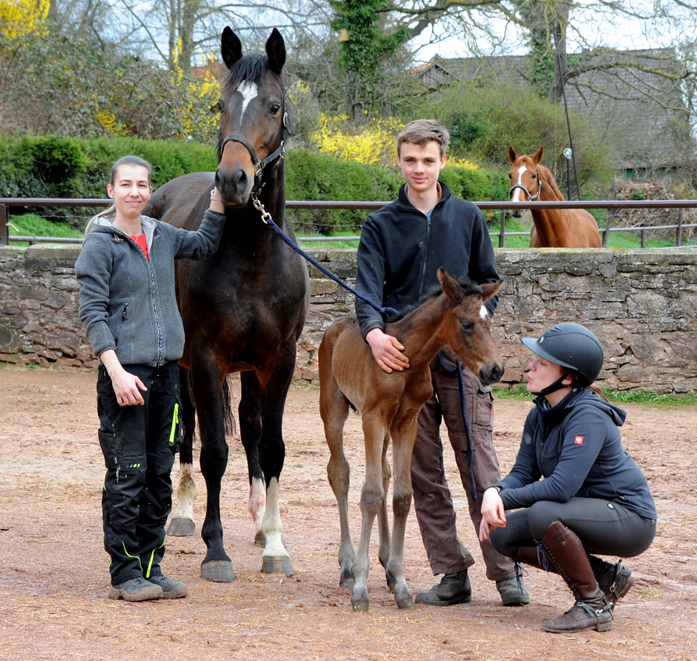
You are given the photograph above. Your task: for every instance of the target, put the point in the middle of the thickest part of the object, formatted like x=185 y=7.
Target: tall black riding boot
x=564 y=550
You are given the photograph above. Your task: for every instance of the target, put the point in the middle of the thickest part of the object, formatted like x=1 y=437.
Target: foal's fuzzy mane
x=469 y=287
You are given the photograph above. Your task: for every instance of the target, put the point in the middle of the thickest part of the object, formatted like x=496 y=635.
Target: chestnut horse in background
x=349 y=376
x=554 y=228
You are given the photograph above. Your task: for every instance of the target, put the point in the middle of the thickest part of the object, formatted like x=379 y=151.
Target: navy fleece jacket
x=576 y=447
x=401 y=251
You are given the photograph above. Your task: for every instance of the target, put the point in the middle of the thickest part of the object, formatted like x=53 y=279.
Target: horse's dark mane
x=251 y=67
x=468 y=286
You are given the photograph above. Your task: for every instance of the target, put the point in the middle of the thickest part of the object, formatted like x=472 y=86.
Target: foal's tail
x=228 y=414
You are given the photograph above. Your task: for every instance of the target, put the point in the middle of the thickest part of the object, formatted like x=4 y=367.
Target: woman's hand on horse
x=126 y=385
x=216 y=202
x=387 y=351
x=493 y=513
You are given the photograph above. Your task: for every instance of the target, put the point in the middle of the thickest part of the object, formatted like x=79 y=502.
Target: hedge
x=67 y=167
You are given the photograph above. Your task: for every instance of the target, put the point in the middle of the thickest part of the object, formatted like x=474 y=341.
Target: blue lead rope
x=463 y=406
x=269 y=221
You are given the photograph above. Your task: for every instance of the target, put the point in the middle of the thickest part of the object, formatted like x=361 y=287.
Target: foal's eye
x=274 y=108
x=467 y=325
x=220 y=106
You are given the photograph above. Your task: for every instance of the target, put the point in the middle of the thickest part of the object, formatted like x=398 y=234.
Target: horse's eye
x=220 y=106
x=274 y=108
x=510 y=176
x=533 y=176
x=467 y=325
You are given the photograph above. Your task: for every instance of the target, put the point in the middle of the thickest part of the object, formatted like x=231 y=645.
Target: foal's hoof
x=260 y=539
x=181 y=528
x=346 y=580
x=360 y=605
x=277 y=565
x=405 y=600
x=219 y=571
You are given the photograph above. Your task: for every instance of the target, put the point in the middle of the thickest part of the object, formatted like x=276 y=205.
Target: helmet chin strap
x=557 y=385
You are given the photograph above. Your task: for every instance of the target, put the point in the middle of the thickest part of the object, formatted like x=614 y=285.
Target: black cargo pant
x=432 y=498
x=139 y=443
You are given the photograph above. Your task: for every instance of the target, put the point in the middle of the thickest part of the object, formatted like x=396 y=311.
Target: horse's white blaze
x=186 y=493
x=516 y=193
x=483 y=313
x=272 y=527
x=257 y=501
x=248 y=91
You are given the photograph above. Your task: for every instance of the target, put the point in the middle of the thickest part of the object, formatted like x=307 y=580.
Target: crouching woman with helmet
x=593 y=500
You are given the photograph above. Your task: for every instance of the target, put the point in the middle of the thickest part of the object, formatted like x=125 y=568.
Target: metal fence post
x=606 y=233
x=678 y=232
x=4 y=227
x=502 y=233
x=643 y=238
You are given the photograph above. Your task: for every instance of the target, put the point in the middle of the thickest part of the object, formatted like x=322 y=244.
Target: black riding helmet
x=573 y=347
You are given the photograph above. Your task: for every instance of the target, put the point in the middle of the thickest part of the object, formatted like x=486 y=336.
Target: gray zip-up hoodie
x=128 y=303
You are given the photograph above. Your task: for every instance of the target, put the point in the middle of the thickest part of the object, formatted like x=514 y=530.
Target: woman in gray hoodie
x=129 y=311
x=593 y=500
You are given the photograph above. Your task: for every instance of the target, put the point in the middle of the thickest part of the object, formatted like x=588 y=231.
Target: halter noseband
x=531 y=198
x=260 y=165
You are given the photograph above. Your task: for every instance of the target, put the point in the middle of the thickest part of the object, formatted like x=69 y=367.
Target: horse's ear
x=230 y=47
x=512 y=155
x=450 y=287
x=538 y=156
x=490 y=289
x=276 y=52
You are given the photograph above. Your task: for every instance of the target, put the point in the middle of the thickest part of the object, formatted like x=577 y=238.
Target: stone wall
x=641 y=304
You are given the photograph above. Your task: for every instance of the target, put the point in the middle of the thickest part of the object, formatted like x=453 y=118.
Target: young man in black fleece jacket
x=401 y=248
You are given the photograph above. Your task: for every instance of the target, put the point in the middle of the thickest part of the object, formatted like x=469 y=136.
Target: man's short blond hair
x=421 y=131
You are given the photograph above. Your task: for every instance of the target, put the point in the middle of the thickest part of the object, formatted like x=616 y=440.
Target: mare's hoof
x=260 y=539
x=346 y=581
x=391 y=580
x=219 y=571
x=181 y=528
x=277 y=565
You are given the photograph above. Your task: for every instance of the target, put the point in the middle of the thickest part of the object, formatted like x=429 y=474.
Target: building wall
x=641 y=304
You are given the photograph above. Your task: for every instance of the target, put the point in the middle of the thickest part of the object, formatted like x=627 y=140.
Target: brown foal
x=554 y=228
x=389 y=405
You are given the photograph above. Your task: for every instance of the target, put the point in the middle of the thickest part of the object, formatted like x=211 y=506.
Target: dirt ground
x=54 y=576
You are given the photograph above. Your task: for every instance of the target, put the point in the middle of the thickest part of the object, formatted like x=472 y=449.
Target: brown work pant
x=432 y=499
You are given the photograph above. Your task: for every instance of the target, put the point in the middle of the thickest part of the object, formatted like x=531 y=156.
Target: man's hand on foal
x=387 y=351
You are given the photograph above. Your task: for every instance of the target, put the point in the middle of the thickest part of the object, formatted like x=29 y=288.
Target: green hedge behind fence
x=66 y=167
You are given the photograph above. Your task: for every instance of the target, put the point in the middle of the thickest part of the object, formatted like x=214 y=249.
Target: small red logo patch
x=578 y=440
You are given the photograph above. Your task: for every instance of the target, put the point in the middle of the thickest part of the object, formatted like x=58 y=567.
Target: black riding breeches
x=138 y=443
x=604 y=527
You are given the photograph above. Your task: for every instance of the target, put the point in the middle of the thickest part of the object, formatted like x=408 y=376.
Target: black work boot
x=452 y=589
x=614 y=579
x=171 y=589
x=565 y=551
x=513 y=592
x=137 y=589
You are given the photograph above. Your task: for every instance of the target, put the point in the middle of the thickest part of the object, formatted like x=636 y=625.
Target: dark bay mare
x=554 y=228
x=243 y=308
x=349 y=376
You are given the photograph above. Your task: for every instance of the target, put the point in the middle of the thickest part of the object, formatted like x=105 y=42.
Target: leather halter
x=260 y=165
x=531 y=198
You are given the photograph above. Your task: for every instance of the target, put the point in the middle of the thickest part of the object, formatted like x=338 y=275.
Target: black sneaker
x=137 y=589
x=171 y=589
x=452 y=589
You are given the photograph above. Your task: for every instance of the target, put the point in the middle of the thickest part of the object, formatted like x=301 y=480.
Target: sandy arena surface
x=54 y=576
